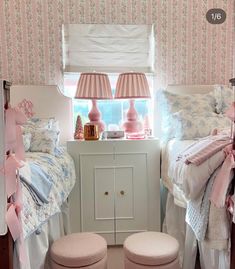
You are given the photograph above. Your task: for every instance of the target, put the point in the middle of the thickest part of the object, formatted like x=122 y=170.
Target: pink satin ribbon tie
x=230 y=204
x=11 y=165
x=14 y=117
x=19 y=149
x=14 y=143
x=13 y=222
x=222 y=181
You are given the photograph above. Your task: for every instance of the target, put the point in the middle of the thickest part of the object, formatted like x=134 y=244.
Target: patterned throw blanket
x=59 y=172
x=197 y=213
x=37 y=182
x=203 y=149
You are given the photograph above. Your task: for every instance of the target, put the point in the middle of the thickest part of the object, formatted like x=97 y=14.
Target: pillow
x=26 y=141
x=44 y=140
x=195 y=103
x=224 y=98
x=193 y=126
x=35 y=124
x=169 y=103
x=44 y=123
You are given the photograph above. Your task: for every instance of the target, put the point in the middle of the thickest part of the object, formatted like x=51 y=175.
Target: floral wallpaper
x=189 y=50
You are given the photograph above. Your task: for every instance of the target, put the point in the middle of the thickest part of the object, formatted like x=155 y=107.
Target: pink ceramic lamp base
x=133 y=127
x=95 y=117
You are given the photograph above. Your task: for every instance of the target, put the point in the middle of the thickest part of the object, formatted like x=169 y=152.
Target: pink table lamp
x=131 y=86
x=94 y=86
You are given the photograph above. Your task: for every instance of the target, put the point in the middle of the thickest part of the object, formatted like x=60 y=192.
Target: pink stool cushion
x=102 y=264
x=131 y=265
x=151 y=248
x=77 y=250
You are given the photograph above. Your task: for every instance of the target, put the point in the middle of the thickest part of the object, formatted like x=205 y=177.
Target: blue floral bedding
x=60 y=171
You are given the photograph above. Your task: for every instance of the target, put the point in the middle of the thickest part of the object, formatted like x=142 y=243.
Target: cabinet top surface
x=113 y=140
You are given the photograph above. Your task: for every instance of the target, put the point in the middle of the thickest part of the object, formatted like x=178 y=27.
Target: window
x=111 y=49
x=113 y=111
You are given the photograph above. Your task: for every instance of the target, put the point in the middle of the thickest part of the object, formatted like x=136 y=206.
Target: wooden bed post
x=6 y=241
x=6 y=251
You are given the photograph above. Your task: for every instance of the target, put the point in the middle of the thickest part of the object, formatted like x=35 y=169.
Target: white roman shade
x=108 y=48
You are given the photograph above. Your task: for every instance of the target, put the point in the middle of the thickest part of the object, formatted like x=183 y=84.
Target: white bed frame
x=48 y=101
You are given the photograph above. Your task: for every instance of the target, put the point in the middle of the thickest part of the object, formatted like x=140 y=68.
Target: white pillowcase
x=193 y=126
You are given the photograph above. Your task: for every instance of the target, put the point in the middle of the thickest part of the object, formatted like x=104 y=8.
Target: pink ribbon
x=14 y=117
x=19 y=149
x=222 y=181
x=14 y=143
x=230 y=204
x=13 y=222
x=11 y=165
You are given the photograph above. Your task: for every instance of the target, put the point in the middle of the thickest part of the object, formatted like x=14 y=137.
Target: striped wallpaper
x=189 y=50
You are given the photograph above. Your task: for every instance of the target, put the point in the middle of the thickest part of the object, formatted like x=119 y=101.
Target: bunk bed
x=177 y=203
x=42 y=221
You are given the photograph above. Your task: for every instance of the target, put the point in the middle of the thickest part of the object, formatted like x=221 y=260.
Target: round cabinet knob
x=122 y=192
x=106 y=193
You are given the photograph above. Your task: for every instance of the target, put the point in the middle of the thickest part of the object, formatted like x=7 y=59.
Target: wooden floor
x=115 y=257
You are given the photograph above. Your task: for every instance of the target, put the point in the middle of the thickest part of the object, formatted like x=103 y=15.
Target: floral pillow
x=27 y=141
x=224 y=98
x=194 y=103
x=170 y=103
x=44 y=140
x=193 y=126
x=37 y=123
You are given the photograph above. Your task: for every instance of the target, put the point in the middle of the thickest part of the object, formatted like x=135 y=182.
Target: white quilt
x=185 y=182
x=169 y=153
x=191 y=179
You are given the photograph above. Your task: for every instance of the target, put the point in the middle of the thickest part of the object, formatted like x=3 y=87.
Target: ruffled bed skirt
x=175 y=225
x=38 y=244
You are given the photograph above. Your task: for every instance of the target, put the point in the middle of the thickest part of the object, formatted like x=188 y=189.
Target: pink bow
x=13 y=221
x=14 y=117
x=222 y=181
x=14 y=143
x=11 y=165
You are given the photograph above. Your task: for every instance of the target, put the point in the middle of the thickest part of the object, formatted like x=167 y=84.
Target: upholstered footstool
x=151 y=250
x=80 y=250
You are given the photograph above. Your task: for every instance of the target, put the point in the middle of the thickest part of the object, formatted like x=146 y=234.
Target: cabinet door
x=97 y=195
x=130 y=194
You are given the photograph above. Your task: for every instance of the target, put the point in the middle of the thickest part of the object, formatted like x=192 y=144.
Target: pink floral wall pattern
x=188 y=48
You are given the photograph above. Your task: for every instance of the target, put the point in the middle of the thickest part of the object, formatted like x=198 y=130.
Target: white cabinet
x=117 y=192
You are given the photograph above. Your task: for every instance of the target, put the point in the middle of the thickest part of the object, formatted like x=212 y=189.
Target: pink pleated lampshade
x=93 y=86
x=132 y=85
